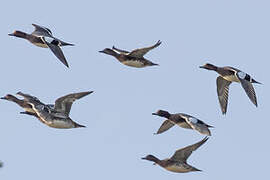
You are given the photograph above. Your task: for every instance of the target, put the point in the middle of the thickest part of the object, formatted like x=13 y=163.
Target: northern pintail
x=134 y=58
x=42 y=37
x=227 y=76
x=182 y=120
x=178 y=162
x=56 y=116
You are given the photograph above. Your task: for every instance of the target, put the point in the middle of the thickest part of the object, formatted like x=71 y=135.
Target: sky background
x=118 y=116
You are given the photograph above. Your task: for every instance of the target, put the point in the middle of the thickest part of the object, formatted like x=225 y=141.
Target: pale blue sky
x=118 y=116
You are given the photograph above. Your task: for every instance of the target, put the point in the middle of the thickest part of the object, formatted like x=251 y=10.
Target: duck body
x=183 y=120
x=42 y=37
x=134 y=58
x=54 y=119
x=227 y=76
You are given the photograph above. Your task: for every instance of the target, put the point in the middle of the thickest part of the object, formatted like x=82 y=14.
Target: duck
x=227 y=75
x=178 y=162
x=53 y=115
x=183 y=120
x=135 y=58
x=42 y=37
x=57 y=115
x=22 y=103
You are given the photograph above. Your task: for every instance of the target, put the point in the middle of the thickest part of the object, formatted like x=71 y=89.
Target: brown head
x=9 y=97
x=109 y=52
x=162 y=113
x=151 y=158
x=19 y=34
x=209 y=66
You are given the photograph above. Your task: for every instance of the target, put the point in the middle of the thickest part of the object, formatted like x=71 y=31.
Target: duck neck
x=166 y=114
x=212 y=67
x=21 y=34
x=112 y=53
x=155 y=160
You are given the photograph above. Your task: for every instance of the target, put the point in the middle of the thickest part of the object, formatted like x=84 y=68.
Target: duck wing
x=167 y=124
x=249 y=89
x=41 y=31
x=223 y=93
x=63 y=104
x=139 y=53
x=55 y=49
x=198 y=125
x=183 y=154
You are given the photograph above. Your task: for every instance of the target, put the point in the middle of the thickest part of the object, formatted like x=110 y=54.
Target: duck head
x=109 y=51
x=18 y=34
x=162 y=113
x=209 y=66
x=151 y=158
x=8 y=97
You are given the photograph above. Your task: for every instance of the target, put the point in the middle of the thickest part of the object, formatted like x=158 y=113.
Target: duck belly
x=179 y=168
x=60 y=124
x=137 y=64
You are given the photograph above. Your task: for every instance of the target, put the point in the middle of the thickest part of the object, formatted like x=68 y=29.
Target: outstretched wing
x=139 y=53
x=63 y=104
x=167 y=124
x=56 y=51
x=198 y=125
x=183 y=154
x=248 y=87
x=223 y=93
x=41 y=31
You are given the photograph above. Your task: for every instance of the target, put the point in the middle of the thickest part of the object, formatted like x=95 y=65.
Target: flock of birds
x=57 y=115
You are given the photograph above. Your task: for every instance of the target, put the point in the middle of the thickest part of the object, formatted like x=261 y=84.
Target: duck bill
x=11 y=34
x=154 y=113
x=256 y=81
x=201 y=67
x=3 y=98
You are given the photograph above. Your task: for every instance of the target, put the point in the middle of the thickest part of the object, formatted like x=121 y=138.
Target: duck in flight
x=178 y=162
x=134 y=58
x=42 y=37
x=183 y=120
x=56 y=116
x=227 y=75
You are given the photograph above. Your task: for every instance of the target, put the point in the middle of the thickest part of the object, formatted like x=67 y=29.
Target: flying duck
x=134 y=58
x=24 y=104
x=178 y=162
x=183 y=120
x=42 y=37
x=227 y=75
x=56 y=116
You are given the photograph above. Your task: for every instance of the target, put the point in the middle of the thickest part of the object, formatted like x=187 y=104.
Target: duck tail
x=66 y=44
x=76 y=125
